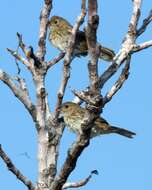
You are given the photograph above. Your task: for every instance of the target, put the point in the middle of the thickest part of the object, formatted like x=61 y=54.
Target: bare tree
x=48 y=126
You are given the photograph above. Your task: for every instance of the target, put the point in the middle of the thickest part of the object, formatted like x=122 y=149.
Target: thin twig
x=145 y=23
x=19 y=93
x=45 y=13
x=19 y=57
x=29 y=53
x=21 y=43
x=79 y=183
x=55 y=60
x=16 y=61
x=142 y=46
x=68 y=58
x=23 y=47
x=119 y=83
x=15 y=171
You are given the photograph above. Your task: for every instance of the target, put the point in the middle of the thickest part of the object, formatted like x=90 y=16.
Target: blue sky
x=121 y=162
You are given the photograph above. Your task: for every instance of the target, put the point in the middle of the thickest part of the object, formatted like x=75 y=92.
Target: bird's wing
x=102 y=123
x=81 y=44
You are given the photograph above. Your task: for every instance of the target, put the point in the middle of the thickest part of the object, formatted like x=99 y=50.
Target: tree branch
x=70 y=163
x=76 y=149
x=142 y=46
x=31 y=60
x=43 y=29
x=68 y=58
x=79 y=183
x=91 y=113
x=53 y=151
x=93 y=48
x=15 y=171
x=119 y=83
x=127 y=45
x=55 y=60
x=20 y=58
x=145 y=23
x=92 y=94
x=22 y=44
x=86 y=96
x=23 y=85
x=20 y=94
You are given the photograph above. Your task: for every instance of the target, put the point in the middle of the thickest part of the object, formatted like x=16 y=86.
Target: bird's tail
x=106 y=54
x=122 y=132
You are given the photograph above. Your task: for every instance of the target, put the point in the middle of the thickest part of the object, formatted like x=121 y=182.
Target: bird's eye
x=66 y=106
x=55 y=22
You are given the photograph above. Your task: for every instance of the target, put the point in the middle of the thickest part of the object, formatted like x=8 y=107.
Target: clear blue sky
x=122 y=163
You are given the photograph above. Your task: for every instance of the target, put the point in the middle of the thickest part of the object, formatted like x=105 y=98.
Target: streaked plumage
x=73 y=115
x=59 y=33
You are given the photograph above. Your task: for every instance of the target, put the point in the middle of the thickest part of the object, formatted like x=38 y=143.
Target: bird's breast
x=59 y=40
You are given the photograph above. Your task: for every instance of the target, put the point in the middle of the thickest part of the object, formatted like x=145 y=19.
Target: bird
x=59 y=33
x=73 y=115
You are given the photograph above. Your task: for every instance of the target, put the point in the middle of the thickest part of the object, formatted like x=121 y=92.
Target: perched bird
x=59 y=33
x=73 y=115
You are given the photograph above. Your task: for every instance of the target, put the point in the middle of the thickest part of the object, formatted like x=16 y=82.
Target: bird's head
x=67 y=107
x=58 y=22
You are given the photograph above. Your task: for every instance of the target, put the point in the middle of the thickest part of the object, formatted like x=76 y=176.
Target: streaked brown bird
x=59 y=33
x=73 y=115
